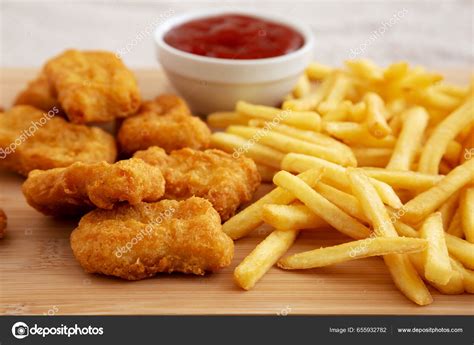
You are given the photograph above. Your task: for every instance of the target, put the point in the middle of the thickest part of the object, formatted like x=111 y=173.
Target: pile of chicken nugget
x=151 y=196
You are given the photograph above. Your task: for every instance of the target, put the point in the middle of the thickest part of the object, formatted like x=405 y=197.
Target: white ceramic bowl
x=210 y=84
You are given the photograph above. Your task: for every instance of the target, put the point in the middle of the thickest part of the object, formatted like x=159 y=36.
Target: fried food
x=81 y=187
x=31 y=139
x=165 y=122
x=38 y=94
x=136 y=242
x=92 y=86
x=225 y=181
x=3 y=223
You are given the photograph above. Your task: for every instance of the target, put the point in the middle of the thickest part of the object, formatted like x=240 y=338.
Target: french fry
x=437 y=265
x=317 y=71
x=346 y=202
x=453 y=152
x=335 y=94
x=310 y=136
x=444 y=168
x=263 y=257
x=336 y=175
x=407 y=280
x=467 y=213
x=266 y=173
x=396 y=107
x=306 y=120
x=461 y=250
x=428 y=201
x=294 y=217
x=395 y=71
x=434 y=98
x=448 y=209
x=249 y=218
x=403 y=273
x=455 y=226
x=467 y=151
x=340 y=113
x=222 y=119
x=333 y=215
x=303 y=87
x=446 y=131
x=395 y=124
x=418 y=78
x=287 y=143
x=455 y=285
x=310 y=101
x=402 y=228
x=452 y=90
x=372 y=157
x=237 y=145
x=404 y=179
x=406 y=129
x=297 y=216
x=409 y=140
x=358 y=112
x=362 y=189
x=376 y=116
x=357 y=134
x=467 y=275
x=365 y=69
x=351 y=251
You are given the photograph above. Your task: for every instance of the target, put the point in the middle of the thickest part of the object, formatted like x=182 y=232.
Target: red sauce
x=234 y=36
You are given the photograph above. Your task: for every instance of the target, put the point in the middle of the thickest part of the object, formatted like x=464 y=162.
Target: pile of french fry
x=380 y=155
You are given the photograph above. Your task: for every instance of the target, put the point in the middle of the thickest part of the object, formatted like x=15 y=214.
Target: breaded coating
x=225 y=181
x=3 y=223
x=92 y=86
x=81 y=187
x=31 y=139
x=165 y=122
x=136 y=242
x=38 y=94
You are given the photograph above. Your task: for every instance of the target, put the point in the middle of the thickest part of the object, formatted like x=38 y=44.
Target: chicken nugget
x=165 y=122
x=80 y=187
x=136 y=242
x=225 y=181
x=31 y=139
x=38 y=95
x=3 y=223
x=92 y=86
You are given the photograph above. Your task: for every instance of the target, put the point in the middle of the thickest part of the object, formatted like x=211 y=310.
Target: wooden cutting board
x=39 y=274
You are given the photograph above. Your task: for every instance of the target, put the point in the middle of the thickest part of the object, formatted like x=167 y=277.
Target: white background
x=433 y=33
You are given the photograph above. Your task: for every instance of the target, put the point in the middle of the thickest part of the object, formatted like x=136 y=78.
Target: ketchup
x=234 y=36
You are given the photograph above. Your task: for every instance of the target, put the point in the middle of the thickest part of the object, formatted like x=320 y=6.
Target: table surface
x=39 y=274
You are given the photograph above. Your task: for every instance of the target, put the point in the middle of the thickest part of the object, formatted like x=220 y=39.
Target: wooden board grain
x=40 y=276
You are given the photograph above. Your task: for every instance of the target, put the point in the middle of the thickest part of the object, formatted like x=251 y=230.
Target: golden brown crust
x=225 y=181
x=136 y=242
x=3 y=223
x=31 y=139
x=165 y=122
x=38 y=95
x=92 y=86
x=80 y=187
